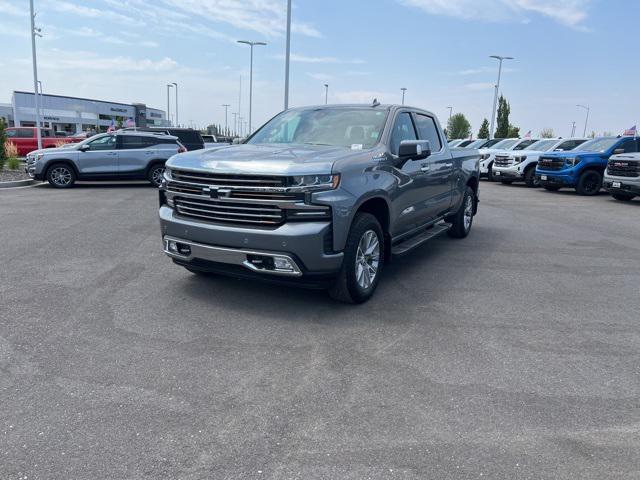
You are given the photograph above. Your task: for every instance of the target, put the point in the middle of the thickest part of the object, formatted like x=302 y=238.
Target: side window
x=402 y=130
x=427 y=130
x=22 y=133
x=133 y=142
x=103 y=143
x=12 y=133
x=629 y=146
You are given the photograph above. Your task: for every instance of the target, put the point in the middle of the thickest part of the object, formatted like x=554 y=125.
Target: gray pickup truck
x=319 y=197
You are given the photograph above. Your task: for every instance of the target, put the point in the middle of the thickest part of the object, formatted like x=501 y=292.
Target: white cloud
x=89 y=12
x=480 y=86
x=364 y=96
x=307 y=59
x=59 y=60
x=321 y=77
x=567 y=12
x=9 y=9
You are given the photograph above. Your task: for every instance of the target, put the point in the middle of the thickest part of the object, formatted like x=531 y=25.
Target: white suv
x=512 y=166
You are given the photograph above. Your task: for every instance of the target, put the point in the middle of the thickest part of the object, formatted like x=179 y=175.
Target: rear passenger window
x=629 y=146
x=427 y=130
x=130 y=142
x=402 y=130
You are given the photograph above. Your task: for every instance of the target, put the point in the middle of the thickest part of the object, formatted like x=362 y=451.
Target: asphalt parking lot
x=512 y=354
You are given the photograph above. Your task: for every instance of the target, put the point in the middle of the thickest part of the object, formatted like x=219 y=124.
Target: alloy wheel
x=157 y=175
x=367 y=259
x=468 y=213
x=61 y=176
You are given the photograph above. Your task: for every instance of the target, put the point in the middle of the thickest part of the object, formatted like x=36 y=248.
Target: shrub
x=13 y=163
x=60 y=143
x=11 y=157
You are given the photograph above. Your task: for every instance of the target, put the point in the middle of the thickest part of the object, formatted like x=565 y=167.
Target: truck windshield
x=542 y=145
x=599 y=144
x=504 y=144
x=355 y=128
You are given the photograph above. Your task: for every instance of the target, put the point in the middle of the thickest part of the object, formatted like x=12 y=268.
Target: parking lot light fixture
x=176 y=85
x=169 y=86
x=326 y=93
x=287 y=57
x=450 y=112
x=251 y=44
x=35 y=32
x=495 y=98
x=586 y=121
x=404 y=90
x=226 y=124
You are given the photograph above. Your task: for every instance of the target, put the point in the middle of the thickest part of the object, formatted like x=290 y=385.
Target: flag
x=130 y=123
x=528 y=135
x=632 y=132
x=112 y=127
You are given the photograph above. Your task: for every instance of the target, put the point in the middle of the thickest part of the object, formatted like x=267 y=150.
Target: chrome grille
x=229 y=212
x=548 y=163
x=623 y=168
x=503 y=161
x=250 y=181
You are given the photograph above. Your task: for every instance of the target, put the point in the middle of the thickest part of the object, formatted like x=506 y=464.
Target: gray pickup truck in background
x=319 y=197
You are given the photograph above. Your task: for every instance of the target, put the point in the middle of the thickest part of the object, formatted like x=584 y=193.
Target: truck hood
x=263 y=159
x=572 y=154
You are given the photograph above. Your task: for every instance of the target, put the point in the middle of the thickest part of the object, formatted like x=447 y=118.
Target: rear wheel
x=590 y=183
x=462 y=220
x=363 y=261
x=61 y=175
x=530 y=178
x=156 y=174
x=622 y=197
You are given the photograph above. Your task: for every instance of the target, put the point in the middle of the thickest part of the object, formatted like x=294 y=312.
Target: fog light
x=172 y=246
x=281 y=263
x=170 y=202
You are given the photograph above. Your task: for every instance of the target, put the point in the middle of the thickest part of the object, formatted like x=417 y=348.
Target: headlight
x=485 y=156
x=315 y=182
x=517 y=160
x=573 y=161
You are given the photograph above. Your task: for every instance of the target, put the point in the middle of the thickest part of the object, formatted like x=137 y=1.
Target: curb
x=17 y=183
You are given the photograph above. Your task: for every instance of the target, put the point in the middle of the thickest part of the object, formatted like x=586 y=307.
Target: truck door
x=439 y=168
x=409 y=204
x=100 y=158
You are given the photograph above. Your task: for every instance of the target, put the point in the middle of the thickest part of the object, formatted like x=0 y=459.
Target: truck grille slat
x=228 y=180
x=623 y=168
x=503 y=161
x=187 y=209
x=223 y=206
x=547 y=163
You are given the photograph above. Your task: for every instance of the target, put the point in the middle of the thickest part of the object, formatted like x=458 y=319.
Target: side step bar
x=413 y=242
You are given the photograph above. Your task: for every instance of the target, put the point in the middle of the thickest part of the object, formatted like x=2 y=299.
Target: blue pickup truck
x=582 y=169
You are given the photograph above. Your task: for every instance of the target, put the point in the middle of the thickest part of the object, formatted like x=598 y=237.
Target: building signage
x=55 y=119
x=155 y=115
x=122 y=110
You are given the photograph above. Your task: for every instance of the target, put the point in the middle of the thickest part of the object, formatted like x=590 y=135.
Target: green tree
x=514 y=132
x=458 y=127
x=504 y=110
x=484 y=130
x=547 y=133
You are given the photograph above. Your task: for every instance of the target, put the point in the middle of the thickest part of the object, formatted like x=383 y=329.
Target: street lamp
x=586 y=121
x=176 y=85
x=326 y=93
x=450 y=112
x=235 y=123
x=404 y=90
x=35 y=32
x=226 y=124
x=573 y=129
x=169 y=86
x=495 y=98
x=287 y=57
x=251 y=44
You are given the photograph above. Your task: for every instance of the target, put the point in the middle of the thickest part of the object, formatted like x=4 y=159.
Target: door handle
x=425 y=168
x=448 y=165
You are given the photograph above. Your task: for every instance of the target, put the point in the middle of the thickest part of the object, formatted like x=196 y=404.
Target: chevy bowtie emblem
x=215 y=192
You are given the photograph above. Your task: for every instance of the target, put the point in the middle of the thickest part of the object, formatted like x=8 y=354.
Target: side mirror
x=414 y=149
x=618 y=151
x=84 y=148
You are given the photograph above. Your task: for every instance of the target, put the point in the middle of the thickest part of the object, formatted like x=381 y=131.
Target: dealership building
x=75 y=115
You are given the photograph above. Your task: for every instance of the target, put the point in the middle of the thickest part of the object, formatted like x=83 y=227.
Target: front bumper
x=623 y=185
x=507 y=173
x=555 y=179
x=305 y=244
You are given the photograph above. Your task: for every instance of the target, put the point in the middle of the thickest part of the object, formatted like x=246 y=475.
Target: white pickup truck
x=487 y=155
x=513 y=166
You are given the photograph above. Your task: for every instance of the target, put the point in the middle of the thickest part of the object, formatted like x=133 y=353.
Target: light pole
x=287 y=57
x=240 y=122
x=235 y=123
x=573 y=129
x=326 y=93
x=586 y=121
x=226 y=124
x=176 y=85
x=450 y=112
x=404 y=90
x=35 y=32
x=251 y=44
x=495 y=98
x=168 y=105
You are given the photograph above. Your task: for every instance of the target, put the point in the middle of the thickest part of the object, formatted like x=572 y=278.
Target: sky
x=567 y=52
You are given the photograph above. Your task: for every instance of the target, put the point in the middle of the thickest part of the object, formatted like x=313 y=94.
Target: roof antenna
x=375 y=103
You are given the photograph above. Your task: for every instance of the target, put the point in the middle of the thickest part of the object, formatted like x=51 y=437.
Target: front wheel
x=622 y=197
x=490 y=176
x=590 y=183
x=363 y=261
x=530 y=178
x=61 y=175
x=156 y=174
x=462 y=220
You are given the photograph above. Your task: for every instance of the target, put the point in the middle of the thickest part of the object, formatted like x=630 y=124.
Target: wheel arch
x=379 y=207
x=65 y=161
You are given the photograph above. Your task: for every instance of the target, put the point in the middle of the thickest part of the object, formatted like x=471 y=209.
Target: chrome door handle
x=448 y=165
x=425 y=168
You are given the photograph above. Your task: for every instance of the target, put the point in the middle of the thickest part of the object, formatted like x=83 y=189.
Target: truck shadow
x=104 y=185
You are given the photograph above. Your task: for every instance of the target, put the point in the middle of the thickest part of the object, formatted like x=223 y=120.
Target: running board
x=413 y=242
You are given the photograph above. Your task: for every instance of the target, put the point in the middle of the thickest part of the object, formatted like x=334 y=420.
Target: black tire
x=155 y=174
x=460 y=227
x=550 y=188
x=490 y=176
x=61 y=175
x=506 y=182
x=622 y=197
x=530 y=178
x=347 y=288
x=590 y=183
